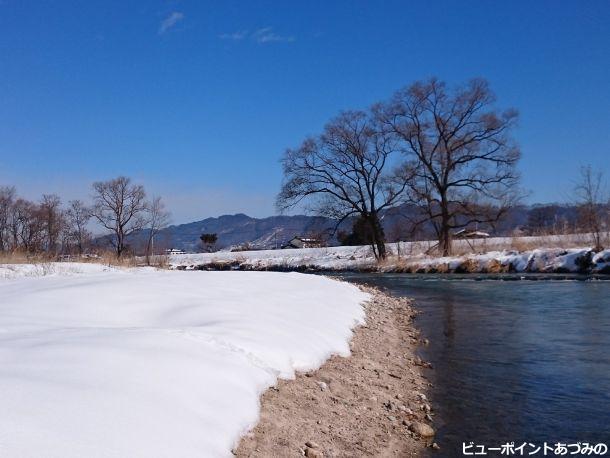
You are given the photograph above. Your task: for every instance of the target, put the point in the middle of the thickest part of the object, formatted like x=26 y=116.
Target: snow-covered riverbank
x=98 y=361
x=554 y=260
x=547 y=260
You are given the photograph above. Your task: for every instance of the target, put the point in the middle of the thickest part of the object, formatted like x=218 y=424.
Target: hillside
x=274 y=231
x=233 y=230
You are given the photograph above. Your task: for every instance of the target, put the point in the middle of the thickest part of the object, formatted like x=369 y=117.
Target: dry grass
x=405 y=255
x=160 y=261
x=550 y=241
x=22 y=258
x=522 y=244
x=107 y=258
x=110 y=259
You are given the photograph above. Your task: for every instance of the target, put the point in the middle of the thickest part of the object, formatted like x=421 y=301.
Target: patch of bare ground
x=370 y=404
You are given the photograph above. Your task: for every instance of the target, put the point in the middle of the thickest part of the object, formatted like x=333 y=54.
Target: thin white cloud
x=235 y=36
x=263 y=35
x=170 y=21
x=267 y=35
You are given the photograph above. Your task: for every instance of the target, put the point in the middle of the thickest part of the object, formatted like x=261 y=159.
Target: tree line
x=448 y=152
x=52 y=228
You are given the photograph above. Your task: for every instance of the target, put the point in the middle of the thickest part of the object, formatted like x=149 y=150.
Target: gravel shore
x=371 y=404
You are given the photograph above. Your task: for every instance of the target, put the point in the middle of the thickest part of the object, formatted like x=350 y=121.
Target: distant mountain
x=275 y=231
x=235 y=230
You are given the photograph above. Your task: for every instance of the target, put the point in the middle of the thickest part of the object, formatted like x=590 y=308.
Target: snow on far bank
x=146 y=363
x=550 y=260
x=361 y=258
x=330 y=258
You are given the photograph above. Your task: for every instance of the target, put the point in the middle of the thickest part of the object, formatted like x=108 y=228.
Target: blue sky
x=197 y=100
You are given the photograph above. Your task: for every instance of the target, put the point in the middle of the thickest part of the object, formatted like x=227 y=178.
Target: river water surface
x=514 y=361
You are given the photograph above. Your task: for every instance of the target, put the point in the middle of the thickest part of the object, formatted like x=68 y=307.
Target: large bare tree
x=349 y=169
x=120 y=207
x=158 y=218
x=460 y=152
x=592 y=204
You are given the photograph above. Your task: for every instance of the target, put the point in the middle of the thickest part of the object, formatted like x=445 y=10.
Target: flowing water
x=514 y=361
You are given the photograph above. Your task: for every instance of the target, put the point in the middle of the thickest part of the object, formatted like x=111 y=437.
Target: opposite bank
x=543 y=260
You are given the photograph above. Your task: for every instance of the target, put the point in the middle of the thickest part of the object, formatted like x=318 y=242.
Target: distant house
x=302 y=242
x=174 y=251
x=470 y=234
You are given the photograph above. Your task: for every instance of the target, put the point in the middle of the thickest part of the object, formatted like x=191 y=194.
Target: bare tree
x=158 y=218
x=460 y=152
x=546 y=219
x=52 y=220
x=27 y=226
x=78 y=216
x=7 y=199
x=347 y=170
x=120 y=207
x=592 y=201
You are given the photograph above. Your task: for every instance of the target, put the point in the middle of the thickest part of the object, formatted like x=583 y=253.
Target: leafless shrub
x=77 y=218
x=593 y=205
x=158 y=218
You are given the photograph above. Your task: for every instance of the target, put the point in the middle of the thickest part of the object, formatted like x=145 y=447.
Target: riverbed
x=518 y=361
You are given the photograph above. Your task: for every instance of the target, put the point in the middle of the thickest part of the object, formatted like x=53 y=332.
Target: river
x=513 y=361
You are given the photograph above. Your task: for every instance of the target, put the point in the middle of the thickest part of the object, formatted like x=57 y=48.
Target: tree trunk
x=378 y=237
x=598 y=239
x=119 y=245
x=374 y=248
x=149 y=250
x=381 y=251
x=444 y=242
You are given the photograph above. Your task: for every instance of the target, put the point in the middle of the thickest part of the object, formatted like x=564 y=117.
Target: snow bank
x=550 y=260
x=145 y=363
x=328 y=258
x=545 y=260
x=8 y=271
x=601 y=262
